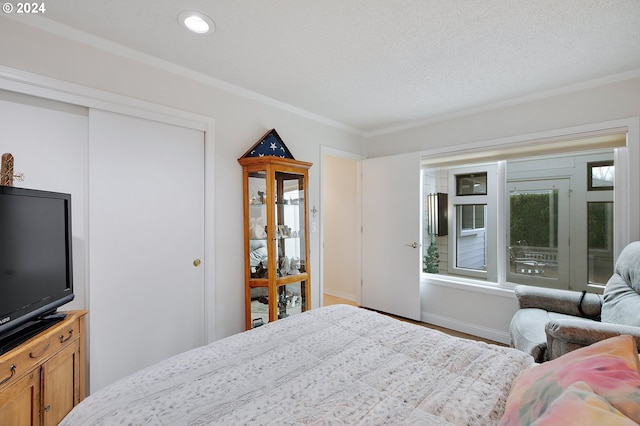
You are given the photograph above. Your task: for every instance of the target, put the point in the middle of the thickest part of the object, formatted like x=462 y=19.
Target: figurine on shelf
x=256 y=228
x=258 y=248
x=282 y=305
x=294 y=266
x=261 y=194
x=259 y=270
x=296 y=300
x=283 y=231
x=284 y=265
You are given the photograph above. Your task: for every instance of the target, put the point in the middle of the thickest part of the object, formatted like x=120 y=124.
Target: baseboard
x=464 y=327
x=346 y=296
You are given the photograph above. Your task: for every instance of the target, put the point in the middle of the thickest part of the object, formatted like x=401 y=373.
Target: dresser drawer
x=20 y=361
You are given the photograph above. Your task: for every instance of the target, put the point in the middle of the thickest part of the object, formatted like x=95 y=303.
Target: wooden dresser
x=43 y=379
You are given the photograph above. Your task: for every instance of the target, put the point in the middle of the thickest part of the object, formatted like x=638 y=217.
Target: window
x=471 y=184
x=600 y=243
x=471 y=217
x=600 y=175
x=471 y=240
x=538 y=217
x=558 y=229
x=471 y=214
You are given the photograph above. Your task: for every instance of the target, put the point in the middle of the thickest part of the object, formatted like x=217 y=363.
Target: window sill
x=596 y=288
x=469 y=285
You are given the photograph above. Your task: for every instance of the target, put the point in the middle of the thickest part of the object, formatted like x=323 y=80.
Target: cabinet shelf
x=263 y=282
x=277 y=238
x=291 y=279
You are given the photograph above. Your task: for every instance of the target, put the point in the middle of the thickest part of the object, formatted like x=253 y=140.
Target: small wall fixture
x=437 y=211
x=196 y=22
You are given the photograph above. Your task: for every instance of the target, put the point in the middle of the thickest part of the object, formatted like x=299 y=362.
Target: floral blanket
x=331 y=365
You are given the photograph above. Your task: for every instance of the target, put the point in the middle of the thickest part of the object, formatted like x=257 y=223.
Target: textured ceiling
x=375 y=65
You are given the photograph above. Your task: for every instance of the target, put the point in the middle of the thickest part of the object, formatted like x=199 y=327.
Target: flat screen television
x=36 y=272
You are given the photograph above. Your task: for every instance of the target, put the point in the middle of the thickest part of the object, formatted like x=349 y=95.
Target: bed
x=332 y=365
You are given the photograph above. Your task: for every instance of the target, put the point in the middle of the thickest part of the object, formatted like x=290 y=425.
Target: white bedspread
x=332 y=365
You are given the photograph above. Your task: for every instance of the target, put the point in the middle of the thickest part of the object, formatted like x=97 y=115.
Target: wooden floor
x=332 y=300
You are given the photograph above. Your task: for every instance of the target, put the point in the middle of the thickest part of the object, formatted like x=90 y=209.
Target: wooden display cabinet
x=42 y=379
x=276 y=235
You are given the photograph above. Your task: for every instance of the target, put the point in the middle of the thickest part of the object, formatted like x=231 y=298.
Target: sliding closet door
x=391 y=235
x=146 y=209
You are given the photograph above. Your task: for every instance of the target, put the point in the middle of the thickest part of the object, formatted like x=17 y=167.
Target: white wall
x=478 y=310
x=611 y=101
x=239 y=122
x=48 y=142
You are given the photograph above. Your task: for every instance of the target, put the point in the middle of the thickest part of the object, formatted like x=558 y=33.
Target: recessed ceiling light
x=196 y=22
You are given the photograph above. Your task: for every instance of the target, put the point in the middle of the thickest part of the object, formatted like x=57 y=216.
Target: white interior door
x=146 y=209
x=391 y=235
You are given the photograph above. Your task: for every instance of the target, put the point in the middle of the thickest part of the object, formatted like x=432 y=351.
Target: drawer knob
x=13 y=373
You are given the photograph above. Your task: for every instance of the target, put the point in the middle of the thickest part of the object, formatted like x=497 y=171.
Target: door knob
x=413 y=245
x=196 y=263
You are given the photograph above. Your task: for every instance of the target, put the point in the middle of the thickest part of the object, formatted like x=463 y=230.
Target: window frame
x=490 y=200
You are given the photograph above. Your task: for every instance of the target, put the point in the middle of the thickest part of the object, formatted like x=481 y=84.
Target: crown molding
x=629 y=75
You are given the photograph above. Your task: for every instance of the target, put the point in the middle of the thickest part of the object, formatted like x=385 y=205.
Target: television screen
x=35 y=254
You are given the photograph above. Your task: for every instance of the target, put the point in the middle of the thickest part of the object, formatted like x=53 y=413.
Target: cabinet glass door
x=290 y=224
x=259 y=299
x=257 y=224
x=292 y=299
